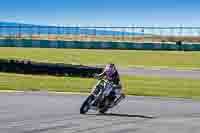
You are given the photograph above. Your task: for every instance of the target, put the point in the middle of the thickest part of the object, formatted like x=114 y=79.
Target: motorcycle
x=100 y=101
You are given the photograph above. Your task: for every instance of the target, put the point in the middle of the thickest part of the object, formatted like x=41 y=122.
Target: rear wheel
x=86 y=105
x=104 y=110
x=105 y=107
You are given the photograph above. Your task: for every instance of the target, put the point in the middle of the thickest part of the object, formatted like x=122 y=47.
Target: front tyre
x=86 y=105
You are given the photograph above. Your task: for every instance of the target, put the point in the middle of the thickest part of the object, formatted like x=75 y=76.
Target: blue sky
x=102 y=12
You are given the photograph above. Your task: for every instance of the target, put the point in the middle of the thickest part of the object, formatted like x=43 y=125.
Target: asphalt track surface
x=193 y=74
x=40 y=112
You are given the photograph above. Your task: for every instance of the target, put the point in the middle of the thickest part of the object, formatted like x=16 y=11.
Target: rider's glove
x=96 y=76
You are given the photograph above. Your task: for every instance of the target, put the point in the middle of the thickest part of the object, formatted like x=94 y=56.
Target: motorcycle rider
x=111 y=74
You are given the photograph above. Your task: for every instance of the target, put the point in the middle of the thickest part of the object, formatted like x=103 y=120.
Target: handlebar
x=103 y=79
x=106 y=81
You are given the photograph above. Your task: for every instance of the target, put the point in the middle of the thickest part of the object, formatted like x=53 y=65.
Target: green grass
x=140 y=86
x=123 y=58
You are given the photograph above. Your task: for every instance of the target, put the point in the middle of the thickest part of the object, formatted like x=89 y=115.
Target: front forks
x=97 y=99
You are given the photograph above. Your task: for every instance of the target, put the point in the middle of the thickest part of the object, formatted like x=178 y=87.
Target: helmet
x=110 y=70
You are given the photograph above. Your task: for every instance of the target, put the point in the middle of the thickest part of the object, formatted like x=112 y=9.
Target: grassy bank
x=123 y=58
x=141 y=86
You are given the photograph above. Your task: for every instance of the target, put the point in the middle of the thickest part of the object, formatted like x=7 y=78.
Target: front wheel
x=86 y=105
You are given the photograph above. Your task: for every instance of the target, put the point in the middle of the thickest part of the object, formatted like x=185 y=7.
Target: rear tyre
x=103 y=111
x=105 y=107
x=86 y=105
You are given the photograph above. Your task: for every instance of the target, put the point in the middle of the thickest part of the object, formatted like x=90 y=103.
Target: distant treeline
x=35 y=68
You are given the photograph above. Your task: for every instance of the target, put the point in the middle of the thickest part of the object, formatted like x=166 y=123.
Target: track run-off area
x=161 y=72
x=42 y=112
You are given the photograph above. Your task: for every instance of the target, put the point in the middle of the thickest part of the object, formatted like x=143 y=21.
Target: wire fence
x=124 y=34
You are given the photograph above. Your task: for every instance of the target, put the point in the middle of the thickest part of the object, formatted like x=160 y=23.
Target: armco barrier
x=28 y=67
x=97 y=45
